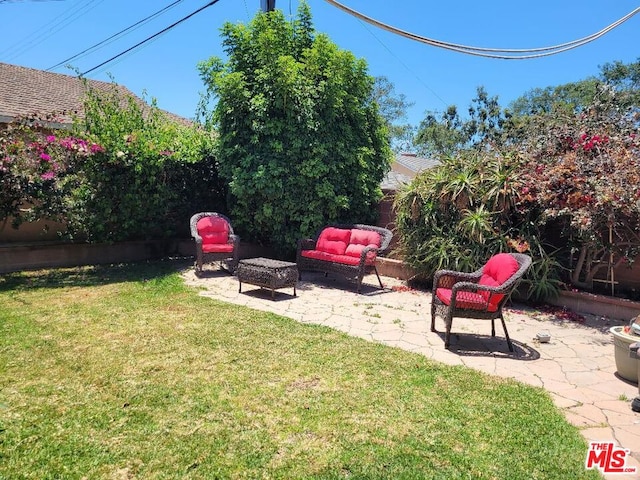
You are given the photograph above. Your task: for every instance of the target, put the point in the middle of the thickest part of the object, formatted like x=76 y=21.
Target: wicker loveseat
x=349 y=250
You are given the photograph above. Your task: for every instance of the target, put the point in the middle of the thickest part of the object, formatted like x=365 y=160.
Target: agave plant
x=460 y=213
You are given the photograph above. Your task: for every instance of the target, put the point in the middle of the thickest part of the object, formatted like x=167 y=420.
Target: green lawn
x=123 y=372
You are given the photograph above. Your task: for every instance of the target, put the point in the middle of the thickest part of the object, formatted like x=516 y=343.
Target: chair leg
x=433 y=316
x=379 y=281
x=493 y=327
x=232 y=264
x=506 y=334
x=447 y=333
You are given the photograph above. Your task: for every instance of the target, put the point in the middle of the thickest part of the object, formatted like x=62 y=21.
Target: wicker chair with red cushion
x=480 y=294
x=215 y=240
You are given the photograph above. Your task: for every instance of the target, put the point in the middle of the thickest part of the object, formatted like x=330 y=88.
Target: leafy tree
x=393 y=107
x=625 y=78
x=441 y=136
x=153 y=172
x=301 y=141
x=571 y=97
x=449 y=133
x=617 y=83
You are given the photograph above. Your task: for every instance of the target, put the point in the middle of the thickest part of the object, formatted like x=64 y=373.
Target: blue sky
x=40 y=34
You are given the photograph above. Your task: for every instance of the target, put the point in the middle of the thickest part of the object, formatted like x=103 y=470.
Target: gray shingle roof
x=414 y=163
x=404 y=168
x=393 y=180
x=27 y=91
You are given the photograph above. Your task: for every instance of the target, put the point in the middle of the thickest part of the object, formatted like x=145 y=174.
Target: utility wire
x=114 y=36
x=403 y=64
x=213 y=2
x=482 y=52
x=124 y=57
x=41 y=36
x=20 y=43
x=14 y=1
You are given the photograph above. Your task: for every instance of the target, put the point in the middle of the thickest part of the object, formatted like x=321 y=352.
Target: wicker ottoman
x=267 y=273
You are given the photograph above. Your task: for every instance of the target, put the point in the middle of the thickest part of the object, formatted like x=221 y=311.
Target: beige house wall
x=28 y=232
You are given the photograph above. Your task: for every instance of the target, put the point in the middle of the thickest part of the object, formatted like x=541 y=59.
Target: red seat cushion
x=213 y=230
x=468 y=300
x=217 y=247
x=496 y=271
x=317 y=255
x=331 y=257
x=333 y=240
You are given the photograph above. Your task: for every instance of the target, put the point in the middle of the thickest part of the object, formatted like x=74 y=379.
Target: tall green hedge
x=301 y=141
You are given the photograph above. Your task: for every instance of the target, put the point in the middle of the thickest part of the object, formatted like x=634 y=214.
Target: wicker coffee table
x=267 y=273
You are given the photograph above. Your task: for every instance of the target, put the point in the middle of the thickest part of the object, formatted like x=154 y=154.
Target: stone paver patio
x=577 y=367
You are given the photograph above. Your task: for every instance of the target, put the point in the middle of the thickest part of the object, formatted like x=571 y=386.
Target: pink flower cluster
x=47 y=158
x=588 y=143
x=80 y=146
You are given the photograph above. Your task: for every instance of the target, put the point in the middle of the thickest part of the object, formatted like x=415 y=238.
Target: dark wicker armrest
x=472 y=287
x=306 y=244
x=234 y=239
x=461 y=288
x=458 y=290
x=365 y=251
x=448 y=278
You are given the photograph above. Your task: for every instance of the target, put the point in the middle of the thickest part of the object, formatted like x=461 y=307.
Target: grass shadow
x=92 y=275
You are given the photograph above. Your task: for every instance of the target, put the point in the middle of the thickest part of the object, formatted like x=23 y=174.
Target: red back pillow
x=213 y=230
x=360 y=239
x=496 y=271
x=333 y=240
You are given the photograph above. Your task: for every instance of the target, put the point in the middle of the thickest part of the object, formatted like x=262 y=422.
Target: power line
x=34 y=33
x=512 y=54
x=14 y=1
x=41 y=35
x=404 y=64
x=213 y=2
x=114 y=36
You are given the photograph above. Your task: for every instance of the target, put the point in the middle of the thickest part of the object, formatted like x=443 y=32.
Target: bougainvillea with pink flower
x=34 y=168
x=588 y=184
x=124 y=171
x=564 y=188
